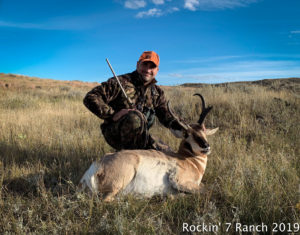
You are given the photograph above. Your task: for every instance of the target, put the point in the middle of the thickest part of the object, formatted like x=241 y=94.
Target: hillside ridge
x=291 y=84
x=22 y=81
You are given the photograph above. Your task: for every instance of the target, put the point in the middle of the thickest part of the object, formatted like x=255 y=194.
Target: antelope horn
x=205 y=111
x=183 y=125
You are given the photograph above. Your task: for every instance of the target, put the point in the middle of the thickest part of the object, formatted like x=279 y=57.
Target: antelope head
x=194 y=136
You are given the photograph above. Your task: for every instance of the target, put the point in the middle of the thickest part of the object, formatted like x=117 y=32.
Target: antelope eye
x=188 y=146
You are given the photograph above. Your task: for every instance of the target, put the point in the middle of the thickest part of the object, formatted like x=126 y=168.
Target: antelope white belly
x=152 y=177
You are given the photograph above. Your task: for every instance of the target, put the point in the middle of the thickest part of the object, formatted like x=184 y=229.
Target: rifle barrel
x=129 y=100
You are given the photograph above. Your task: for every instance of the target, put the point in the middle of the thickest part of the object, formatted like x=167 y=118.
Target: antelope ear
x=211 y=131
x=178 y=133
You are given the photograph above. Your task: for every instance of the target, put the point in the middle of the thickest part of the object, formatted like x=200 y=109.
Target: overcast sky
x=207 y=41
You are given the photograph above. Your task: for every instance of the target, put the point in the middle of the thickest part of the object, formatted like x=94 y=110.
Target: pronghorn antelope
x=151 y=172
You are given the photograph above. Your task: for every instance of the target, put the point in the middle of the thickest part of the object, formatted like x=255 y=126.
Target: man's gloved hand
x=121 y=113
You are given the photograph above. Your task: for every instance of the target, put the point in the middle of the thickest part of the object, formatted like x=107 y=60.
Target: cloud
x=191 y=4
x=158 y=2
x=194 y=5
x=176 y=75
x=239 y=70
x=229 y=58
x=150 y=13
x=57 y=23
x=155 y=12
x=295 y=32
x=171 y=6
x=135 y=4
x=19 y=25
x=172 y=9
x=235 y=76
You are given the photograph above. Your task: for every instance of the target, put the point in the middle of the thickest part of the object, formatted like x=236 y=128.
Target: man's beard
x=146 y=79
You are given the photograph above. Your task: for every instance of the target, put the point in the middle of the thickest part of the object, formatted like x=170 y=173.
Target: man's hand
x=121 y=113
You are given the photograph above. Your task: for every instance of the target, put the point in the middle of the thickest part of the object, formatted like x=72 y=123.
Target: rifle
x=124 y=93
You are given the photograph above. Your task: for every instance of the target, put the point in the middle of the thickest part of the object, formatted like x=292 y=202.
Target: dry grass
x=48 y=139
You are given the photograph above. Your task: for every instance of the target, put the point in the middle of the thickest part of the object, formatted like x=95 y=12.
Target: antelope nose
x=206 y=150
x=207 y=147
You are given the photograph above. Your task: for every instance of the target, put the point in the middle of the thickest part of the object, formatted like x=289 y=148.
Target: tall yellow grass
x=48 y=139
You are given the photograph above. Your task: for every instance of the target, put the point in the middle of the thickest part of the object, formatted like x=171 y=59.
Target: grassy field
x=48 y=139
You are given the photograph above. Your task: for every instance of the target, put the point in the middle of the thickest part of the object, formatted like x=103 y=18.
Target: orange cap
x=150 y=56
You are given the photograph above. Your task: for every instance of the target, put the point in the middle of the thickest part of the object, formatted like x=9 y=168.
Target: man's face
x=147 y=70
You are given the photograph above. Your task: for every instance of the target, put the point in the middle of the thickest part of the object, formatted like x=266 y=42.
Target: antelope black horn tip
x=201 y=96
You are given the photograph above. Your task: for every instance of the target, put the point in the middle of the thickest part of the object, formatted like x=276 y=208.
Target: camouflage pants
x=129 y=132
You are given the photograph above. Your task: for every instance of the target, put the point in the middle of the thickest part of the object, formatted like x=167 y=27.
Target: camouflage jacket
x=107 y=99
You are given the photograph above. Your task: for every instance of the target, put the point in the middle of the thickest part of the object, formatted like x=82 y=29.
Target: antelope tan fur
x=152 y=172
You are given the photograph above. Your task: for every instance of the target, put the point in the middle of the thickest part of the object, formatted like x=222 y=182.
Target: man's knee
x=129 y=132
x=133 y=121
